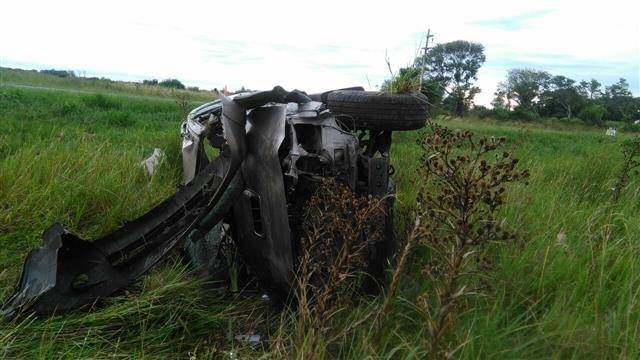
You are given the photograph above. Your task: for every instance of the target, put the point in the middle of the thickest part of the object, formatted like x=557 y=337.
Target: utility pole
x=424 y=56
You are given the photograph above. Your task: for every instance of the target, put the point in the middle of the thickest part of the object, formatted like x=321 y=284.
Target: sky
x=319 y=45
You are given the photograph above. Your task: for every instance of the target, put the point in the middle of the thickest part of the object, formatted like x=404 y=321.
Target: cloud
x=316 y=47
x=513 y=22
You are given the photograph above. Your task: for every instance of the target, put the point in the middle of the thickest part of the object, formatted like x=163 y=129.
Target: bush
x=481 y=112
x=501 y=114
x=550 y=121
x=524 y=115
x=613 y=124
x=592 y=114
x=630 y=127
x=172 y=84
x=99 y=101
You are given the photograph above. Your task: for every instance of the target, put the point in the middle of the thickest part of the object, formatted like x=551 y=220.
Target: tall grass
x=567 y=289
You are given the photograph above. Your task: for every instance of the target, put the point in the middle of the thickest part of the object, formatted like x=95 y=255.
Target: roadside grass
x=567 y=287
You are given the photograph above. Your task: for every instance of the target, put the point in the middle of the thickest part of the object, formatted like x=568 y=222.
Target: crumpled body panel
x=68 y=272
x=261 y=212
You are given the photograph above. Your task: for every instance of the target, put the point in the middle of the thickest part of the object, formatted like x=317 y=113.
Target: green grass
x=31 y=78
x=568 y=287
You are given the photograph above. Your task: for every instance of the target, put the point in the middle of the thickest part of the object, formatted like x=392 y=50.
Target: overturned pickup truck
x=274 y=148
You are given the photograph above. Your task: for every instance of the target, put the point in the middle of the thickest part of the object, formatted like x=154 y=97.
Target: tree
x=524 y=87
x=501 y=100
x=619 y=89
x=59 y=73
x=561 y=98
x=590 y=89
x=172 y=83
x=455 y=66
x=152 y=82
x=618 y=102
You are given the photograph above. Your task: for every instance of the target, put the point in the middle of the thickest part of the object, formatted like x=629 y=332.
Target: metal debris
x=151 y=163
x=248 y=339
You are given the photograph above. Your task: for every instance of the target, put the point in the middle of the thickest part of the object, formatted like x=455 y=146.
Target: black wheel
x=379 y=111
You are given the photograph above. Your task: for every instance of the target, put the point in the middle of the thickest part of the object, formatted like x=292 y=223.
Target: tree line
x=447 y=73
x=531 y=94
x=168 y=83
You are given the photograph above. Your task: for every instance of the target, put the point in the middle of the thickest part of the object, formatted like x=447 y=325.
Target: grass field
x=33 y=79
x=568 y=287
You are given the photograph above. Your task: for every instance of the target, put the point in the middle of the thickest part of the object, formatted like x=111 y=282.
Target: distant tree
x=561 y=98
x=537 y=93
x=590 y=89
x=618 y=102
x=152 y=82
x=619 y=89
x=524 y=87
x=59 y=73
x=454 y=65
x=193 y=88
x=172 y=84
x=501 y=99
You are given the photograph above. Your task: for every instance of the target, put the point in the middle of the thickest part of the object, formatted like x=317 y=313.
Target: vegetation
x=445 y=74
x=59 y=73
x=407 y=80
x=565 y=287
x=449 y=71
x=465 y=187
x=32 y=78
x=538 y=93
x=168 y=83
x=454 y=66
x=630 y=164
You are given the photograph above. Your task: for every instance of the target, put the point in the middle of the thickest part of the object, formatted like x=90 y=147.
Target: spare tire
x=374 y=110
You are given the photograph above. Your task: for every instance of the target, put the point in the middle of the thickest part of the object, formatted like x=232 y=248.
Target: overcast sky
x=317 y=45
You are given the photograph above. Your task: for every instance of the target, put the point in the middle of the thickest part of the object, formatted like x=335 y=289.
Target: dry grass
x=630 y=149
x=465 y=186
x=331 y=270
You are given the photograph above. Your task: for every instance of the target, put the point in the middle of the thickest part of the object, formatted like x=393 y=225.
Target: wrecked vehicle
x=274 y=148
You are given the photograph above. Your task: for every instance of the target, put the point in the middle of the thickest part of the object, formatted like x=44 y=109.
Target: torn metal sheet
x=248 y=339
x=151 y=163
